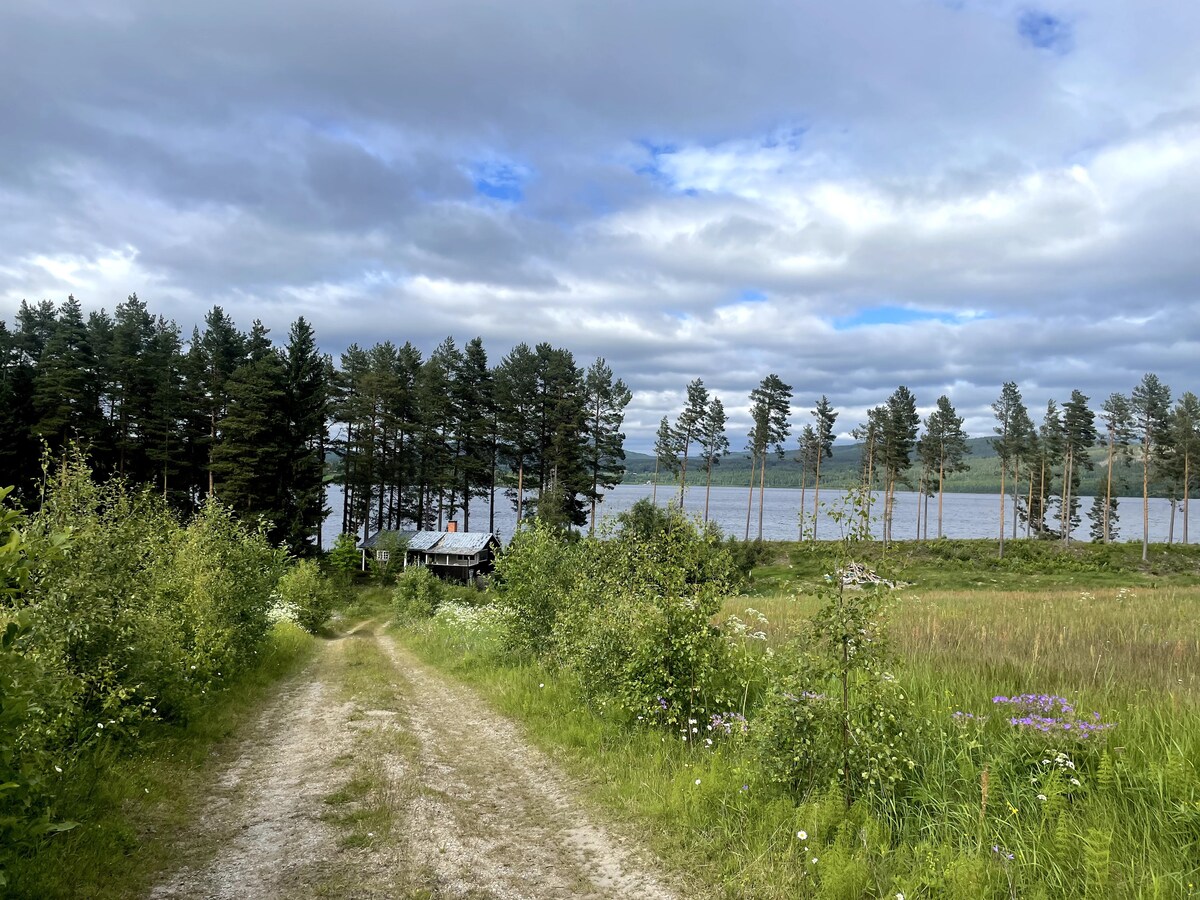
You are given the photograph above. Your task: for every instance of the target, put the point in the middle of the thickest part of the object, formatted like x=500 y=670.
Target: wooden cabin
x=452 y=555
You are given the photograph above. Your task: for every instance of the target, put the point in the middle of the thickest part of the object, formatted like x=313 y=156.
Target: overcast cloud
x=854 y=195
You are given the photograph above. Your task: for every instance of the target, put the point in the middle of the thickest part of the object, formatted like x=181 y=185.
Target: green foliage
x=637 y=627
x=836 y=713
x=535 y=578
x=344 y=558
x=306 y=596
x=418 y=593
x=114 y=613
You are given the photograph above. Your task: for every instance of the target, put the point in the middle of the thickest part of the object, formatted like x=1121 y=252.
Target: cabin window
x=383 y=555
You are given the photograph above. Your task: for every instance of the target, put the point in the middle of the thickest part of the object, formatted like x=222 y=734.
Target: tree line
x=1040 y=465
x=226 y=413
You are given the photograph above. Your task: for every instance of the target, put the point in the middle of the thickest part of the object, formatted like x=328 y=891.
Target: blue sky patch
x=1046 y=32
x=890 y=315
x=751 y=295
x=500 y=180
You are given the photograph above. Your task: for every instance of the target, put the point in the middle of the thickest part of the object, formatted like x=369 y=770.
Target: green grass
x=132 y=802
x=975 y=565
x=1131 y=828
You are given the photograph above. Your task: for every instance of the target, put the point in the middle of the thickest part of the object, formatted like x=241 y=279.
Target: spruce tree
x=222 y=349
x=65 y=392
x=251 y=460
x=307 y=401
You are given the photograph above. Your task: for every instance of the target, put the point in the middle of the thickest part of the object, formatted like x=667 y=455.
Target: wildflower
x=1041 y=797
x=814 y=860
x=99 y=724
x=803 y=835
x=697 y=781
x=58 y=769
x=745 y=787
x=541 y=685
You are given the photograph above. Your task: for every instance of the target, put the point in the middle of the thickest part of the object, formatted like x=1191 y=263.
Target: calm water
x=963 y=515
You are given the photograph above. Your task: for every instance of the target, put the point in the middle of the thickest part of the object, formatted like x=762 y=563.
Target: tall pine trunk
x=1003 y=499
x=817 y=492
x=762 y=488
x=707 y=488
x=520 y=490
x=750 y=499
x=941 y=484
x=1108 y=490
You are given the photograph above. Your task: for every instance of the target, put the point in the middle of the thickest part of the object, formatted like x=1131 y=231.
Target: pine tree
x=945 y=446
x=898 y=439
x=714 y=443
x=807 y=455
x=1117 y=419
x=1079 y=433
x=517 y=403
x=687 y=426
x=1008 y=443
x=770 y=408
x=1150 y=404
x=473 y=393
x=666 y=453
x=824 y=416
x=1185 y=448
x=606 y=402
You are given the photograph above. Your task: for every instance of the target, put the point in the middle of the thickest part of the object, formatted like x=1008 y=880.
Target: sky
x=853 y=195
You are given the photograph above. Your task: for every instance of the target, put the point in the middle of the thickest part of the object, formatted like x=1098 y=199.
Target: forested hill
x=983 y=476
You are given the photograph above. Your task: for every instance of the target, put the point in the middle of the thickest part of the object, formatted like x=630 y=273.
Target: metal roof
x=438 y=541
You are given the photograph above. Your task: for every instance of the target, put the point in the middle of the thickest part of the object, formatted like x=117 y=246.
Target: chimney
x=452 y=526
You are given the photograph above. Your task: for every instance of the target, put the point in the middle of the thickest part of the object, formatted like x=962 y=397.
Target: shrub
x=306 y=595
x=344 y=559
x=418 y=593
x=534 y=579
x=638 y=626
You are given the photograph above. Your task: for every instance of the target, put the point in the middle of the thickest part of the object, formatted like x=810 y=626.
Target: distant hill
x=842 y=470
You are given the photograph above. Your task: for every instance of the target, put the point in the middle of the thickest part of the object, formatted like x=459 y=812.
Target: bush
x=638 y=628
x=306 y=596
x=418 y=593
x=534 y=579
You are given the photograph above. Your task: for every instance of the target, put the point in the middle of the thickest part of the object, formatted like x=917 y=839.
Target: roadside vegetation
x=1024 y=729
x=131 y=640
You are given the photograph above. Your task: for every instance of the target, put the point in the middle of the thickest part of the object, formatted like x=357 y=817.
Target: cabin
x=452 y=555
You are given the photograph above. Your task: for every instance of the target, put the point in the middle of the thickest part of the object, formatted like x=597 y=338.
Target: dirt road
x=371 y=775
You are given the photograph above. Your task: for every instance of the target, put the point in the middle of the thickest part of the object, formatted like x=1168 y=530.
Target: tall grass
x=994 y=809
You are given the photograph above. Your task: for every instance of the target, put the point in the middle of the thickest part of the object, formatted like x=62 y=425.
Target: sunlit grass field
x=994 y=809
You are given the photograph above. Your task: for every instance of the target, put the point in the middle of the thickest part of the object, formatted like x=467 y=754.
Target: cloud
x=948 y=196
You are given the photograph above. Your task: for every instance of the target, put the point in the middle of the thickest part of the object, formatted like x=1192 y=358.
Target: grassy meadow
x=1104 y=802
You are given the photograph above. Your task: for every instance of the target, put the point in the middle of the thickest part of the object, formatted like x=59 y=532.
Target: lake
x=963 y=515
